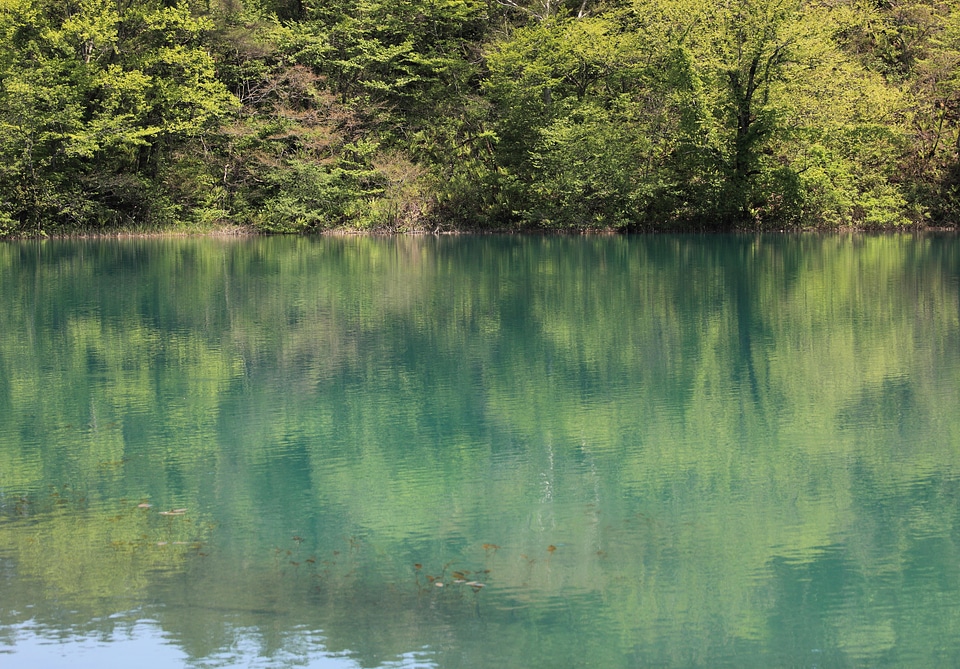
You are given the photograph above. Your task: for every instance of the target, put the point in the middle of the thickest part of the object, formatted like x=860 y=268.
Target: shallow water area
x=663 y=451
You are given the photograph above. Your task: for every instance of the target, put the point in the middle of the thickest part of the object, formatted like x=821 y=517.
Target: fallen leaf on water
x=438 y=584
x=551 y=548
x=145 y=505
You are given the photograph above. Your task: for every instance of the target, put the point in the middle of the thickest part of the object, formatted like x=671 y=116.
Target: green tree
x=585 y=110
x=916 y=43
x=94 y=99
x=741 y=114
x=804 y=133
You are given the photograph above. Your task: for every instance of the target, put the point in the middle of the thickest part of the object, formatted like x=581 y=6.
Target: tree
x=784 y=127
x=581 y=107
x=94 y=99
x=916 y=43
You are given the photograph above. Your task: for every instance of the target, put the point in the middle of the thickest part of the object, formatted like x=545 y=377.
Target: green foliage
x=587 y=165
x=634 y=115
x=741 y=114
x=388 y=56
x=570 y=125
x=92 y=100
x=929 y=58
x=311 y=196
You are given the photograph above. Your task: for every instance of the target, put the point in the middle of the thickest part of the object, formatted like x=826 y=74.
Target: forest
x=295 y=116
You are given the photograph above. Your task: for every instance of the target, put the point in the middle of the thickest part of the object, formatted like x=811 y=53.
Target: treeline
x=301 y=115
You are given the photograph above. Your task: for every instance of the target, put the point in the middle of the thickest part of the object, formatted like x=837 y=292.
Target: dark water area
x=658 y=451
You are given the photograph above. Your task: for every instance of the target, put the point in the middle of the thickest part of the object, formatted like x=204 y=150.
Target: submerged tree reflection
x=620 y=440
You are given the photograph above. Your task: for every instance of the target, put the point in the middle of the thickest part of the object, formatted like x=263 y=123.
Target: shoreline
x=244 y=231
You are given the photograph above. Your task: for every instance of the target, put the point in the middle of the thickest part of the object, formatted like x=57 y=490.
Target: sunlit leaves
x=715 y=103
x=747 y=113
x=93 y=91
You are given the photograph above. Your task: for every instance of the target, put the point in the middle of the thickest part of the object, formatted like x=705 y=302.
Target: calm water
x=481 y=452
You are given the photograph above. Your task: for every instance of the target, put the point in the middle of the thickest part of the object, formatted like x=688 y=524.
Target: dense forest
x=299 y=115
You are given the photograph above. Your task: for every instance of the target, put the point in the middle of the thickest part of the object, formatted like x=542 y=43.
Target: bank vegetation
x=292 y=116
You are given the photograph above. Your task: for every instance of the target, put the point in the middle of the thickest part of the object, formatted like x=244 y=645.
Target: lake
x=478 y=452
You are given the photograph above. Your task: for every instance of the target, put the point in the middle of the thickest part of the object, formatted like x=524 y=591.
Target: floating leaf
x=551 y=548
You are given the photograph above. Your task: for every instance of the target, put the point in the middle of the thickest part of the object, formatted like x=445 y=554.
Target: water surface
x=470 y=452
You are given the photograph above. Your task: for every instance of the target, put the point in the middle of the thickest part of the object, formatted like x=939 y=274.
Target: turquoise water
x=658 y=451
